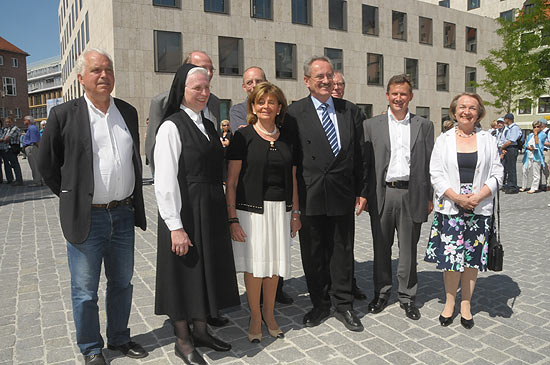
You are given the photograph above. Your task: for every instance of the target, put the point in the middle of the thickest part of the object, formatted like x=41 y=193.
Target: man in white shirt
x=89 y=157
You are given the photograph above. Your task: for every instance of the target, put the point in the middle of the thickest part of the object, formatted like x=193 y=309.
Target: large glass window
x=474 y=4
x=225 y=105
x=425 y=30
x=375 y=69
x=9 y=86
x=167 y=51
x=470 y=84
x=445 y=3
x=442 y=77
x=337 y=14
x=285 y=60
x=525 y=106
x=370 y=20
x=444 y=116
x=230 y=51
x=87 y=30
x=398 y=25
x=301 y=12
x=508 y=15
x=337 y=57
x=217 y=6
x=471 y=39
x=366 y=109
x=262 y=9
x=411 y=69
x=449 y=35
x=544 y=105
x=423 y=111
x=169 y=3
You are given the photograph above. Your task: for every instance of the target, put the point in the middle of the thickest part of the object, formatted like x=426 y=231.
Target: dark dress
x=200 y=283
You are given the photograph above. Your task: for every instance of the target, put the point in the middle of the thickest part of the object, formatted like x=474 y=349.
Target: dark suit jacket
x=377 y=159
x=328 y=185
x=65 y=162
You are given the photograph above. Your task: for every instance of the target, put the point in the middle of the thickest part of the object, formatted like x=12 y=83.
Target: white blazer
x=444 y=171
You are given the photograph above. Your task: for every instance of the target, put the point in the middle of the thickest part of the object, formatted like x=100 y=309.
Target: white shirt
x=166 y=156
x=331 y=113
x=400 y=141
x=112 y=149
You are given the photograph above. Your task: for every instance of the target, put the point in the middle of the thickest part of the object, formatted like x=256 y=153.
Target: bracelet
x=297 y=211
x=233 y=220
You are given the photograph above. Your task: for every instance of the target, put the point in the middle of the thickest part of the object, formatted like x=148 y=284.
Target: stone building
x=45 y=86
x=13 y=75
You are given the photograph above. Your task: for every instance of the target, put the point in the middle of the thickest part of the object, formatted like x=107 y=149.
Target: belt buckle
x=111 y=204
x=393 y=184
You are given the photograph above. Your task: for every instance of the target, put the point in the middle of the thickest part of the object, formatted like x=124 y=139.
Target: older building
x=13 y=75
x=369 y=40
x=44 y=85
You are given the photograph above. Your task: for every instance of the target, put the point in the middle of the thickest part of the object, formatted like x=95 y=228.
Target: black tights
x=183 y=334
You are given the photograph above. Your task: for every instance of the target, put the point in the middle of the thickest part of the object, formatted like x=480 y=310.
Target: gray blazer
x=377 y=159
x=237 y=115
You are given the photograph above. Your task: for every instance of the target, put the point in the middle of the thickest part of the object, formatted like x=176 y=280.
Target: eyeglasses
x=225 y=125
x=321 y=77
x=340 y=84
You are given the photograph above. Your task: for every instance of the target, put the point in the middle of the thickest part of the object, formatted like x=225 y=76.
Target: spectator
x=512 y=134
x=11 y=138
x=533 y=158
x=31 y=140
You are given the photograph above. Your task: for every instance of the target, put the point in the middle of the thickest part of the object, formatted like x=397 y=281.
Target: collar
x=93 y=107
x=317 y=103
x=405 y=121
x=195 y=117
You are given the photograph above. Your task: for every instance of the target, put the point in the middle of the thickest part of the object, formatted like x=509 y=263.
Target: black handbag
x=495 y=256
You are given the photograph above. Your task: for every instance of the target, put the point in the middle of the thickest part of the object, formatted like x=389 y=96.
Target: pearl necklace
x=271 y=134
x=461 y=134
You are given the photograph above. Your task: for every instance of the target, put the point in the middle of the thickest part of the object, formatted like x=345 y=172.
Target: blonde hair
x=454 y=103
x=264 y=89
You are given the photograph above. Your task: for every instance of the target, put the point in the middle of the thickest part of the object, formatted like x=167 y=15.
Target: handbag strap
x=497 y=201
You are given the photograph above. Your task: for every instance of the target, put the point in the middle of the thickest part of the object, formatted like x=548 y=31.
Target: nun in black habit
x=195 y=266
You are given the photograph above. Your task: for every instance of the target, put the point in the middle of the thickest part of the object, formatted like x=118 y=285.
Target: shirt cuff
x=173 y=224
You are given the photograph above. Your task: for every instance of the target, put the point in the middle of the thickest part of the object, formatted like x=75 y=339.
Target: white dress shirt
x=331 y=113
x=112 y=149
x=166 y=156
x=400 y=141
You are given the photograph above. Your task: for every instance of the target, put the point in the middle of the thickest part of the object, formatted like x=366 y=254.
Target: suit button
x=308 y=141
x=313 y=157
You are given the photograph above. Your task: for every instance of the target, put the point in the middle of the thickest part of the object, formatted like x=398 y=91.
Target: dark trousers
x=7 y=166
x=326 y=244
x=13 y=163
x=509 y=164
x=395 y=216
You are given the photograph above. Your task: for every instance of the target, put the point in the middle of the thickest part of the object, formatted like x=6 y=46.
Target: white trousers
x=535 y=167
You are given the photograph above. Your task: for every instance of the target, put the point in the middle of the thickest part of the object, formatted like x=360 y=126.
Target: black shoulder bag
x=495 y=256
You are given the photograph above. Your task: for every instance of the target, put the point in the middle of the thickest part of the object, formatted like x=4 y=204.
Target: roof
x=7 y=46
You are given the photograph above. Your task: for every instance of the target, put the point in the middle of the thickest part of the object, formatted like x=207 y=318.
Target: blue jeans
x=111 y=240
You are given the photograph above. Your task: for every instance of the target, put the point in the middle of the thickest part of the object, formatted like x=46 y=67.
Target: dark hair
x=264 y=89
x=400 y=79
x=454 y=103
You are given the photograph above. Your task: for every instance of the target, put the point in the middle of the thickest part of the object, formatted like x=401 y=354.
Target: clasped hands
x=467 y=201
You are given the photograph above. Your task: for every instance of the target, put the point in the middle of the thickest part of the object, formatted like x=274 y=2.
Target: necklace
x=271 y=134
x=462 y=134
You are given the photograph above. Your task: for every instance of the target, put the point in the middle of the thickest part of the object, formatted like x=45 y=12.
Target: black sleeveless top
x=466 y=166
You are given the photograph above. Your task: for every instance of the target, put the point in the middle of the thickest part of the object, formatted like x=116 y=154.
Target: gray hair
x=81 y=62
x=341 y=74
x=309 y=62
x=194 y=70
x=29 y=118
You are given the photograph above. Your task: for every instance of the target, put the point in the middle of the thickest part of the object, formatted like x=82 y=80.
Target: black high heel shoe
x=467 y=323
x=194 y=358
x=445 y=321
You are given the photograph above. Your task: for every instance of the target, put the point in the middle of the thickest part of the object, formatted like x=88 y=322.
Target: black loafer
x=130 y=349
x=212 y=342
x=283 y=298
x=315 y=316
x=96 y=359
x=467 y=323
x=411 y=311
x=350 y=320
x=193 y=358
x=445 y=321
x=377 y=305
x=217 y=321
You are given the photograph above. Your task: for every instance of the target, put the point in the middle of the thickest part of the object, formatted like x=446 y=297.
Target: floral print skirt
x=459 y=241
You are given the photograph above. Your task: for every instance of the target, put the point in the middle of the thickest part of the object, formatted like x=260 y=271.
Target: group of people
x=306 y=169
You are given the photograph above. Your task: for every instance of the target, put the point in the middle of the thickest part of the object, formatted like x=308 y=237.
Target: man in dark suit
x=89 y=157
x=330 y=182
x=398 y=146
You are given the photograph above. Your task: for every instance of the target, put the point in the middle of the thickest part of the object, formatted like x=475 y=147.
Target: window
x=262 y=9
x=508 y=15
x=3 y=112
x=167 y=51
x=87 y=30
x=370 y=20
x=471 y=39
x=217 y=6
x=230 y=51
x=72 y=17
x=398 y=25
x=366 y=109
x=80 y=3
x=14 y=62
x=78 y=38
x=337 y=14
x=337 y=57
x=444 y=116
x=544 y=105
x=285 y=60
x=225 y=105
x=18 y=114
x=301 y=12
x=449 y=35
x=9 y=86
x=1 y=60
x=470 y=85
x=425 y=35
x=445 y=3
x=375 y=69
x=82 y=35
x=168 y=3
x=411 y=69
x=442 y=77
x=423 y=111
x=473 y=4
x=545 y=36
x=76 y=11
x=525 y=106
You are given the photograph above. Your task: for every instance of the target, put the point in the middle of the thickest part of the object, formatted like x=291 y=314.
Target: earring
x=277 y=113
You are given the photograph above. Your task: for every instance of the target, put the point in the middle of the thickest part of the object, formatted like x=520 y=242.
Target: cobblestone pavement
x=511 y=308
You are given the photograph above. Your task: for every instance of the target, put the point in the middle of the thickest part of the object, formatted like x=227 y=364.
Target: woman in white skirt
x=262 y=203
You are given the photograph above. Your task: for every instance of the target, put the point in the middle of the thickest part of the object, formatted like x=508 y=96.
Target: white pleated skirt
x=266 y=251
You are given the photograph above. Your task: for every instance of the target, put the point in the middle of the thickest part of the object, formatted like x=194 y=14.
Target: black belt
x=114 y=204
x=398 y=184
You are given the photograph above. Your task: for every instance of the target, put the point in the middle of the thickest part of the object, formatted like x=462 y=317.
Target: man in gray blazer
x=398 y=146
x=252 y=76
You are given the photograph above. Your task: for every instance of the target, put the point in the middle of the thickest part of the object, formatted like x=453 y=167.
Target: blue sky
x=31 y=25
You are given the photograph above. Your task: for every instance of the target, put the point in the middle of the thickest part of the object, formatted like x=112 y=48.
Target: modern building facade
x=13 y=77
x=369 y=40
x=44 y=86
x=489 y=8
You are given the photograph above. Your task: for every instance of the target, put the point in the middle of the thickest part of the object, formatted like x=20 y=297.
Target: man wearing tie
x=330 y=182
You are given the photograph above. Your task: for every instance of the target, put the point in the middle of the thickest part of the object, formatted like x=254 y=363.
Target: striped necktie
x=330 y=131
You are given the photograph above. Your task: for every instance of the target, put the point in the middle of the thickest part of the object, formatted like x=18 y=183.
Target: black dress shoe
x=315 y=316
x=410 y=310
x=467 y=323
x=445 y=321
x=193 y=358
x=212 y=342
x=357 y=293
x=350 y=320
x=130 y=349
x=283 y=298
x=96 y=359
x=377 y=305
x=218 y=321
